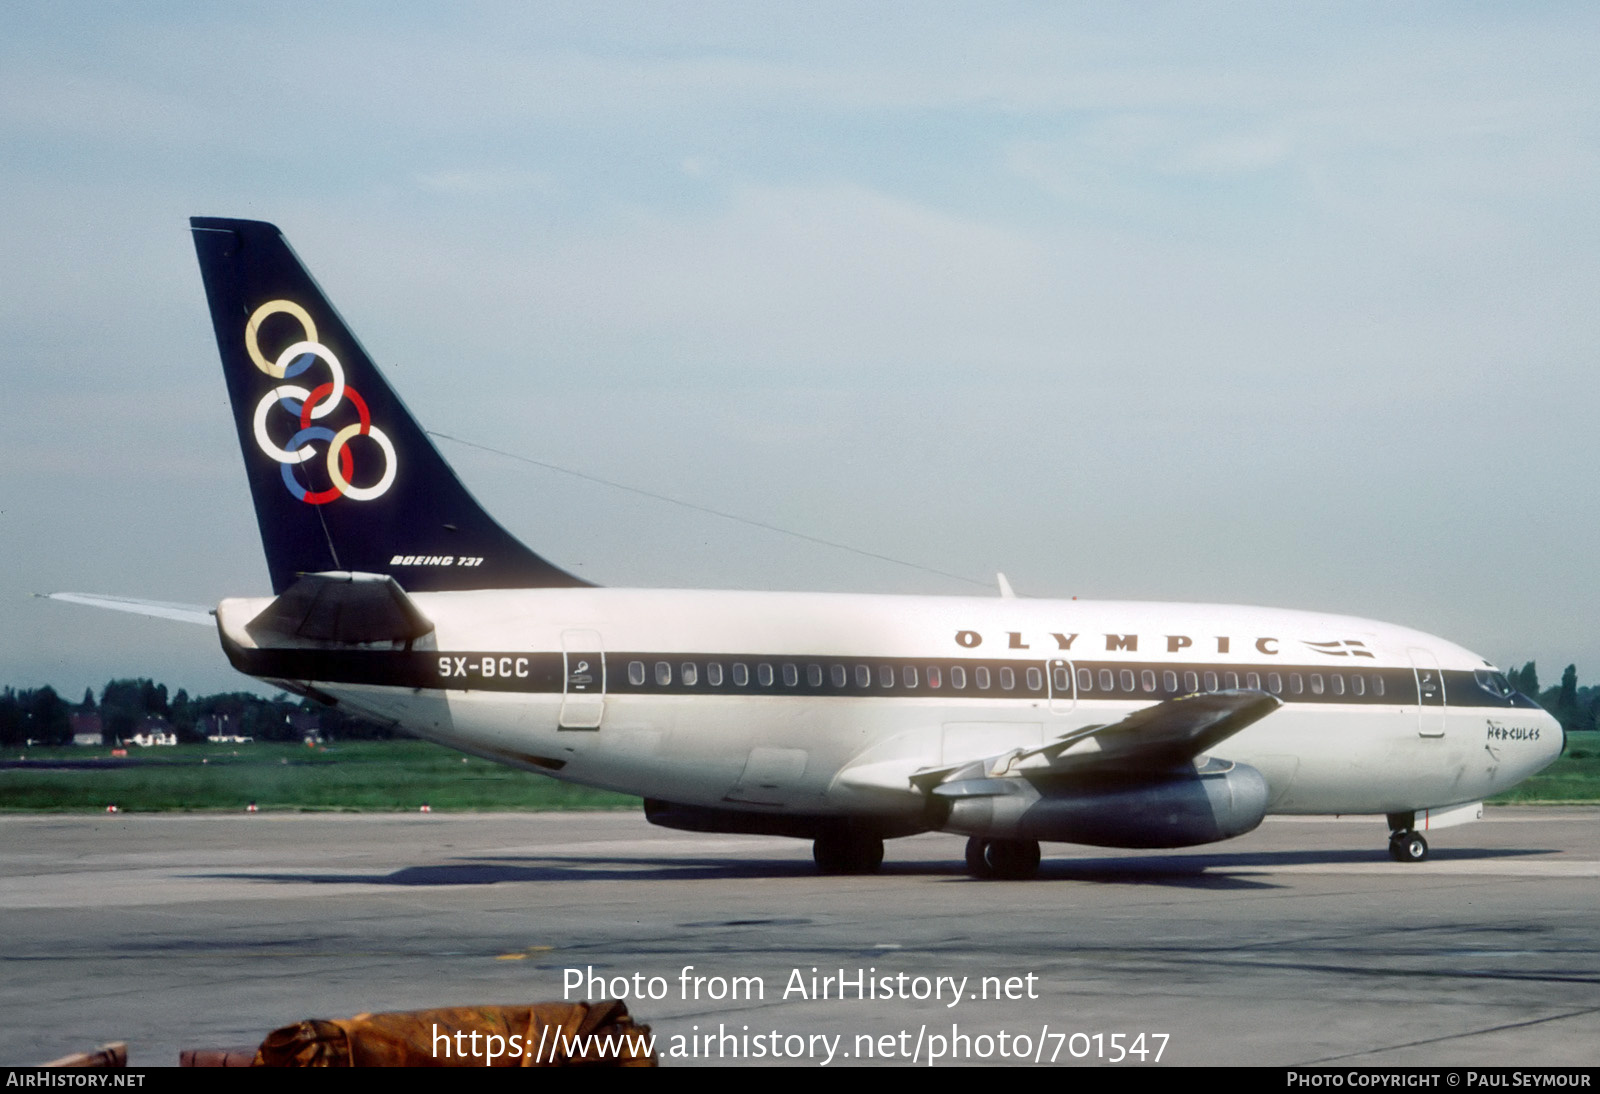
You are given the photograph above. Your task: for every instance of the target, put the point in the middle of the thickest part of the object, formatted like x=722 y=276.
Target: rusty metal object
x=541 y=1035
x=112 y=1055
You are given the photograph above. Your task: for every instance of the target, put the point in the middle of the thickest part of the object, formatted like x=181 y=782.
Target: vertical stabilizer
x=342 y=476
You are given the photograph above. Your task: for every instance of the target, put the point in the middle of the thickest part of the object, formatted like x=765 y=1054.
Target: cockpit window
x=1494 y=683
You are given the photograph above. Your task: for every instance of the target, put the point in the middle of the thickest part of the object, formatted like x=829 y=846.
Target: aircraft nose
x=1557 y=733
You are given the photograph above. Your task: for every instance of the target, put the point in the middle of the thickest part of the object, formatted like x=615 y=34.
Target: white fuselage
x=734 y=699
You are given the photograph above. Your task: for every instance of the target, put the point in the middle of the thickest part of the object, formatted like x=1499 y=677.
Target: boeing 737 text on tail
x=841 y=719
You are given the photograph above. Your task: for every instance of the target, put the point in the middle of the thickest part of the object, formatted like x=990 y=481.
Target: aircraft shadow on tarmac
x=1243 y=870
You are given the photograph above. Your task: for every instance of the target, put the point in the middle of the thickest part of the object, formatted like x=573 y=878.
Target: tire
x=978 y=859
x=1411 y=847
x=1013 y=859
x=847 y=853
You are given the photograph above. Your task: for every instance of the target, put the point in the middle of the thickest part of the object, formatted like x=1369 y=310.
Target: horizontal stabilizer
x=158 y=609
x=340 y=608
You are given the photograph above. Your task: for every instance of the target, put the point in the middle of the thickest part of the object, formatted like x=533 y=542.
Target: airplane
x=842 y=719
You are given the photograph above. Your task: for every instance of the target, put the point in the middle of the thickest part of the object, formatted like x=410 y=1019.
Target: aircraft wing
x=1154 y=739
x=160 y=609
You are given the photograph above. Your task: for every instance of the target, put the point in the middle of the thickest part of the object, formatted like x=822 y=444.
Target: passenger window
x=1191 y=682
x=886 y=675
x=791 y=675
x=741 y=674
x=1169 y=681
x=1274 y=683
x=636 y=673
x=1127 y=679
x=1085 y=680
x=663 y=673
x=691 y=674
x=863 y=676
x=714 y=674
x=1316 y=683
x=764 y=674
x=1035 y=678
x=1336 y=682
x=1296 y=685
x=933 y=676
x=1377 y=684
x=814 y=675
x=1230 y=680
x=1063 y=680
x=1148 y=679
x=1008 y=678
x=1252 y=681
x=1108 y=680
x=1211 y=681
x=1358 y=684
x=980 y=676
x=841 y=678
x=958 y=677
x=909 y=675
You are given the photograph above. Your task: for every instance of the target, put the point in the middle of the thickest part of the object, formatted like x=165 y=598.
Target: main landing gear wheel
x=978 y=859
x=1407 y=847
x=1005 y=859
x=847 y=853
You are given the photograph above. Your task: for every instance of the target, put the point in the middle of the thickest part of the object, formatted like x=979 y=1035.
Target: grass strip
x=374 y=776
x=404 y=775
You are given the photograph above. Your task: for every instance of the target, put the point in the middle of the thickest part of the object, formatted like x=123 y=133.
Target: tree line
x=40 y=715
x=1576 y=708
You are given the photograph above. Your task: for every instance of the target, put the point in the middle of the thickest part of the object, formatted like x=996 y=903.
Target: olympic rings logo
x=308 y=406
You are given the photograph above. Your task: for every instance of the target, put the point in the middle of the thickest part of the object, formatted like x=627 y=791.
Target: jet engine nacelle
x=1176 y=809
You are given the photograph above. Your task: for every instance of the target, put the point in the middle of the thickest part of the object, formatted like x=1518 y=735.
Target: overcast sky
x=1282 y=304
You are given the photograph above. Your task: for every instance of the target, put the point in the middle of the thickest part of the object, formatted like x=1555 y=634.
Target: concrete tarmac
x=1301 y=943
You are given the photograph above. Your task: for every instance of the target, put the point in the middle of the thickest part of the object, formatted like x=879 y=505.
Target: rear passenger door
x=583 y=696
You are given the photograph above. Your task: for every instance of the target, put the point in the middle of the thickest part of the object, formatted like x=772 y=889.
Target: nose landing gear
x=1406 y=845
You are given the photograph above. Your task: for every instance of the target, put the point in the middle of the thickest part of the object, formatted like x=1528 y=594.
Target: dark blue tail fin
x=342 y=476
